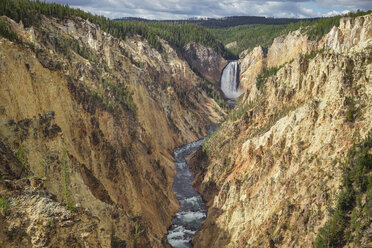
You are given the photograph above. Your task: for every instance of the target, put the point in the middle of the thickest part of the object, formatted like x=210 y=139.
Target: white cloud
x=335 y=12
x=345 y=4
x=181 y=9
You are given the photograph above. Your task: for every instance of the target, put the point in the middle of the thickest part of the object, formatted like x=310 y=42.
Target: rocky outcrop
x=353 y=34
x=231 y=44
x=250 y=67
x=33 y=218
x=206 y=61
x=274 y=166
x=96 y=119
x=285 y=48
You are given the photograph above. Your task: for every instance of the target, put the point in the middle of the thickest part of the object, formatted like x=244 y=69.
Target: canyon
x=92 y=137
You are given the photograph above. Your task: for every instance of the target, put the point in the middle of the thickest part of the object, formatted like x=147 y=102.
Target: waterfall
x=229 y=80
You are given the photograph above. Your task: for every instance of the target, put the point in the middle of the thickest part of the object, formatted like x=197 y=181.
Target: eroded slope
x=273 y=168
x=92 y=121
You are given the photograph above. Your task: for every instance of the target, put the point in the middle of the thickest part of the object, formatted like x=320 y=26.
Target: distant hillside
x=240 y=38
x=226 y=22
x=239 y=33
x=233 y=21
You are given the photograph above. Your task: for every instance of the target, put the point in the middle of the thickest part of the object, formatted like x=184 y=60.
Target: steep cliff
x=351 y=34
x=270 y=174
x=205 y=61
x=250 y=67
x=285 y=48
x=88 y=127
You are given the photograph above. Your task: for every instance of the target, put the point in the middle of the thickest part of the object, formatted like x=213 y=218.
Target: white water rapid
x=192 y=210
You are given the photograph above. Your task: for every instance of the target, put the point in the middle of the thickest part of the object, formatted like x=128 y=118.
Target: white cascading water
x=192 y=212
x=229 y=81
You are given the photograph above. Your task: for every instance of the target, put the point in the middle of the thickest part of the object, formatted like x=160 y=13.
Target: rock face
x=95 y=119
x=272 y=170
x=352 y=35
x=285 y=48
x=35 y=219
x=206 y=61
x=232 y=44
x=250 y=67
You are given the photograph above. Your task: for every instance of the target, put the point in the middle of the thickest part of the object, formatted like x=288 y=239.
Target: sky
x=183 y=9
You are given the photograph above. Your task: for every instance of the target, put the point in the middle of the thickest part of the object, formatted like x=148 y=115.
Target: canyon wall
x=250 y=67
x=205 y=61
x=353 y=34
x=270 y=174
x=88 y=127
x=283 y=50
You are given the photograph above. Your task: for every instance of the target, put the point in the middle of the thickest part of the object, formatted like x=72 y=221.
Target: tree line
x=30 y=13
x=252 y=35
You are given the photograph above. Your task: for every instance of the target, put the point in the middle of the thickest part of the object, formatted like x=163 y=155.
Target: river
x=192 y=210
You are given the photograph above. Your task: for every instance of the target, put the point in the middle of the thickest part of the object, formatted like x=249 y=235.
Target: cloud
x=181 y=9
x=335 y=12
x=345 y=4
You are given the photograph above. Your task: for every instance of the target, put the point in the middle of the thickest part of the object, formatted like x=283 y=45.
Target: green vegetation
x=265 y=74
x=268 y=72
x=238 y=111
x=232 y=21
x=30 y=13
x=117 y=243
x=248 y=36
x=211 y=91
x=22 y=158
x=352 y=110
x=252 y=35
x=4 y=206
x=106 y=104
x=63 y=46
x=119 y=94
x=44 y=166
x=316 y=29
x=51 y=223
x=180 y=35
x=277 y=115
x=17 y=234
x=184 y=97
x=66 y=181
x=313 y=54
x=353 y=214
x=6 y=32
x=137 y=231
